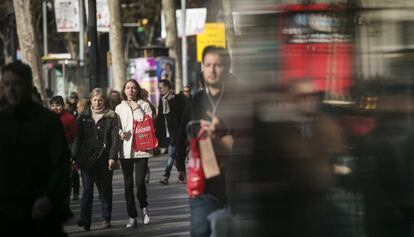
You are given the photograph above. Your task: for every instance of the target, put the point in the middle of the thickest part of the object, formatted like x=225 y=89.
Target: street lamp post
x=93 y=45
x=184 y=42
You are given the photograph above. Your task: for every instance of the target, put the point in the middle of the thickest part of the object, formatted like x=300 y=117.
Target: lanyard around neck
x=210 y=99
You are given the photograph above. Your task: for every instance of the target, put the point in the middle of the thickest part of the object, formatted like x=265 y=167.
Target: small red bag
x=195 y=174
x=144 y=134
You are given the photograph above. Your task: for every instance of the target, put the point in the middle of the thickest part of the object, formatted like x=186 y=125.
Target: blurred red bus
x=317 y=43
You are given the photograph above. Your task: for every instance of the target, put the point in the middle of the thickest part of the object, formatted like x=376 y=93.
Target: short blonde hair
x=97 y=92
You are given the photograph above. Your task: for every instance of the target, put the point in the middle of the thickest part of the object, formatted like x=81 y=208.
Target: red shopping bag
x=195 y=174
x=144 y=134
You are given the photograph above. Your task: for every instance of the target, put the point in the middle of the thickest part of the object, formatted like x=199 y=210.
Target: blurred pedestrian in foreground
x=57 y=105
x=283 y=191
x=95 y=150
x=387 y=168
x=34 y=172
x=133 y=107
x=207 y=107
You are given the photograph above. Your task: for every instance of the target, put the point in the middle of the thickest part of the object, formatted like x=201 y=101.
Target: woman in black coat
x=95 y=150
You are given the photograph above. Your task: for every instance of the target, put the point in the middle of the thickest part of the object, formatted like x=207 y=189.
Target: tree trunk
x=29 y=47
x=115 y=34
x=6 y=44
x=168 y=6
x=229 y=28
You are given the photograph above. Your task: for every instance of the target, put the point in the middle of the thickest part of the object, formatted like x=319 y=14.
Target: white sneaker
x=132 y=222
x=145 y=215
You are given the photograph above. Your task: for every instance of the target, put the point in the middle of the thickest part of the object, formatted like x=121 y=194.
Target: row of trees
x=28 y=22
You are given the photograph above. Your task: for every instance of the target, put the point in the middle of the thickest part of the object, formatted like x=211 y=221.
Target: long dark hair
x=139 y=89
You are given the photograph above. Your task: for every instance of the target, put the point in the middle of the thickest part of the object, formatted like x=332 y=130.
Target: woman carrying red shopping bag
x=144 y=134
x=133 y=112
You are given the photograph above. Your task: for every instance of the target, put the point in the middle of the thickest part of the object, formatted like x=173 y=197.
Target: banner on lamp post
x=102 y=15
x=67 y=15
x=195 y=20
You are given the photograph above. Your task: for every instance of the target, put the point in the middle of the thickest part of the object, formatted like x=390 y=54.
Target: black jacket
x=199 y=106
x=181 y=146
x=34 y=161
x=177 y=104
x=95 y=144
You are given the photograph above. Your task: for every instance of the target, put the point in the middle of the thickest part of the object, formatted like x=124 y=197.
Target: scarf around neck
x=97 y=114
x=165 y=105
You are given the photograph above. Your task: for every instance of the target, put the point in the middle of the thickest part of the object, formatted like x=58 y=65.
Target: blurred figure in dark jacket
x=170 y=108
x=182 y=144
x=387 y=169
x=35 y=165
x=281 y=189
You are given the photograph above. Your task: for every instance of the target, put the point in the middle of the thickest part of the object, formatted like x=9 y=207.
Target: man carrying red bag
x=212 y=138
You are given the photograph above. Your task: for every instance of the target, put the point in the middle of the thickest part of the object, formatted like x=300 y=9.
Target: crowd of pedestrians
x=274 y=162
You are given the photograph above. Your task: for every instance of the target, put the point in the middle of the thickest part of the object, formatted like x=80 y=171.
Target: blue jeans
x=170 y=161
x=200 y=208
x=103 y=178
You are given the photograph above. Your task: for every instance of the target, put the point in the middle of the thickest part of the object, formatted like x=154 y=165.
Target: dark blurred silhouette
x=281 y=188
x=34 y=172
x=387 y=169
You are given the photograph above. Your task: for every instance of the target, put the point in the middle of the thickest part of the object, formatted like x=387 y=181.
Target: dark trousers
x=180 y=154
x=75 y=182
x=104 y=178
x=140 y=165
x=180 y=157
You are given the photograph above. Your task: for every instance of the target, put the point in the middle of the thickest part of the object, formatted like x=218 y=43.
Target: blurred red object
x=195 y=174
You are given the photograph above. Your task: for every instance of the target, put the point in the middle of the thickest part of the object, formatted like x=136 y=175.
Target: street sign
x=214 y=34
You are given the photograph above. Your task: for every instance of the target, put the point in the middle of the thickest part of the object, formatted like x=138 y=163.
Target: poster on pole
x=102 y=15
x=195 y=20
x=67 y=15
x=214 y=34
